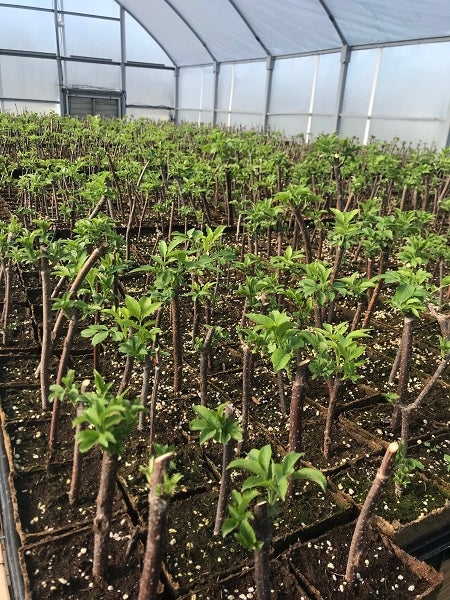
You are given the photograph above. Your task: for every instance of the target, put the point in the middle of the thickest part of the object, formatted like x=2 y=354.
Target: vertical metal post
x=2 y=102
x=177 y=94
x=123 y=60
x=372 y=96
x=216 y=71
x=268 y=90
x=230 y=102
x=311 y=101
x=200 y=103
x=62 y=99
x=445 y=142
x=345 y=59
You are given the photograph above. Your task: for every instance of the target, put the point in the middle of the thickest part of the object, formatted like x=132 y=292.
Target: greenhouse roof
x=194 y=32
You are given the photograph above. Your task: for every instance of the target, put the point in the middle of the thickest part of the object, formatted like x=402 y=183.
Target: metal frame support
x=177 y=94
x=62 y=98
x=312 y=99
x=270 y=63
x=216 y=71
x=2 y=100
x=446 y=141
x=123 y=61
x=345 y=59
x=372 y=96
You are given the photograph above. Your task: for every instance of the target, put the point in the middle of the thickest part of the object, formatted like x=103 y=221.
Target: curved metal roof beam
x=250 y=28
x=333 y=21
x=191 y=28
x=133 y=16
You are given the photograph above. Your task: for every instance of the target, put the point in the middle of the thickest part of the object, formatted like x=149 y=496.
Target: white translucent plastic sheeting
x=377 y=21
x=320 y=124
x=222 y=118
x=290 y=26
x=36 y=32
x=224 y=87
x=246 y=121
x=28 y=78
x=327 y=82
x=196 y=88
x=140 y=46
x=38 y=3
x=150 y=86
x=205 y=116
x=352 y=127
x=358 y=87
x=249 y=87
x=18 y=107
x=221 y=28
x=107 y=8
x=190 y=88
x=426 y=132
x=291 y=85
x=289 y=125
x=195 y=116
x=410 y=81
x=92 y=76
x=149 y=113
x=86 y=36
x=169 y=30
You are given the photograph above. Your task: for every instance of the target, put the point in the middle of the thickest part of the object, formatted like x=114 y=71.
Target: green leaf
x=133 y=306
x=265 y=454
x=311 y=475
x=280 y=358
x=87 y=438
x=228 y=526
x=255 y=481
x=206 y=434
x=248 y=465
x=266 y=322
x=99 y=337
x=246 y=535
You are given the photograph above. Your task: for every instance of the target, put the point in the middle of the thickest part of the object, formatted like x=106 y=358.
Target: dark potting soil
x=345 y=448
x=284 y=586
x=188 y=460
x=307 y=513
x=418 y=498
x=194 y=555
x=381 y=573
x=61 y=568
x=29 y=442
x=431 y=453
x=21 y=403
x=42 y=497
x=376 y=420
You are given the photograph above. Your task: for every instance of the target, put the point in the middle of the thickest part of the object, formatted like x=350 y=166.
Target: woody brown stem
x=225 y=479
x=263 y=531
x=330 y=417
x=379 y=482
x=204 y=355
x=103 y=516
x=75 y=482
x=156 y=532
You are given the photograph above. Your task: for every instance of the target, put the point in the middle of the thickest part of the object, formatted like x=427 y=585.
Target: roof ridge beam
x=152 y=35
x=250 y=28
x=330 y=15
x=192 y=29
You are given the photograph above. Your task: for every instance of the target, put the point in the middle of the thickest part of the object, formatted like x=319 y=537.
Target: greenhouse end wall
x=390 y=92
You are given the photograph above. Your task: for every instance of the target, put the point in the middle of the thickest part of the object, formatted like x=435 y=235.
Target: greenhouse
x=224 y=300
x=377 y=68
